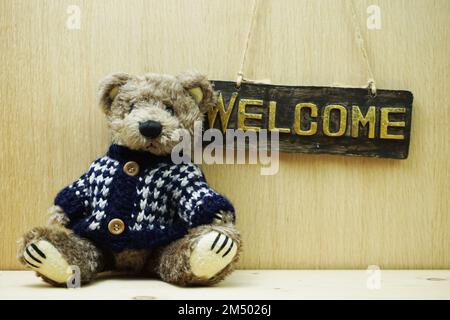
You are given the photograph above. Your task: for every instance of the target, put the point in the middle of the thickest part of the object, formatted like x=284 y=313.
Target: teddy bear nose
x=150 y=128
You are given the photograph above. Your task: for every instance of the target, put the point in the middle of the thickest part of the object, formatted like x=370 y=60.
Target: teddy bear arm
x=223 y=218
x=70 y=202
x=211 y=208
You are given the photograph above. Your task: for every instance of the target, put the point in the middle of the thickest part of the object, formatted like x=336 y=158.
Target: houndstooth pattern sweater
x=157 y=205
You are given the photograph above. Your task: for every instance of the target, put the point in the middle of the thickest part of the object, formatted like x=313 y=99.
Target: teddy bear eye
x=170 y=110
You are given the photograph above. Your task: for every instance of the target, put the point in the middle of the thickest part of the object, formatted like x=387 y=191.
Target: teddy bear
x=135 y=210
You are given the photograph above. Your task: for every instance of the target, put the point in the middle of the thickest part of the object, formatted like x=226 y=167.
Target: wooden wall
x=318 y=211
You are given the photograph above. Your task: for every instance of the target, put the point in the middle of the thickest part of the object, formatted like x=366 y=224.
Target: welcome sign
x=344 y=121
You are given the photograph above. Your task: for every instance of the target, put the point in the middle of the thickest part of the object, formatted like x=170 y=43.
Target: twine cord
x=240 y=74
x=360 y=41
x=371 y=85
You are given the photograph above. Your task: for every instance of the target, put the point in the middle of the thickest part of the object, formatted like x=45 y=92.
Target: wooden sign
x=344 y=121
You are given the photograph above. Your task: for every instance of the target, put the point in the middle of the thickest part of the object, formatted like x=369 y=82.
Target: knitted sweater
x=159 y=203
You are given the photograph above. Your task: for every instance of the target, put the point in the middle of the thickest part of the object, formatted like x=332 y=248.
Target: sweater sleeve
x=197 y=201
x=73 y=198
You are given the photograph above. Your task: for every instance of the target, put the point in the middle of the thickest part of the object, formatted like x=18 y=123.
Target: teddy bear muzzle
x=150 y=128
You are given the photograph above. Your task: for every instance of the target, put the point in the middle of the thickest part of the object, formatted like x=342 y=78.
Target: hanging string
x=360 y=41
x=240 y=74
x=371 y=85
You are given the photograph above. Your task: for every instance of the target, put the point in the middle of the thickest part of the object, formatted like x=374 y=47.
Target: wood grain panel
x=318 y=211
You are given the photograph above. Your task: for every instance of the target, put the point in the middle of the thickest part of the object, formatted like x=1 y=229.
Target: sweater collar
x=144 y=158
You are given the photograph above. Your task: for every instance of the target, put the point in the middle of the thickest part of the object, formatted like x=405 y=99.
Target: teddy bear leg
x=205 y=256
x=56 y=254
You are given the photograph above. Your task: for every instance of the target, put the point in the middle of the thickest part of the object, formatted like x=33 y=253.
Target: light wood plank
x=243 y=285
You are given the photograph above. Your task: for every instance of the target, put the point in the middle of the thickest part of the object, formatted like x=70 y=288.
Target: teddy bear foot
x=203 y=257
x=57 y=255
x=47 y=261
x=212 y=253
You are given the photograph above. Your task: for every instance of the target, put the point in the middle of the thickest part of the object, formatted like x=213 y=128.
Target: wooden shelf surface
x=246 y=284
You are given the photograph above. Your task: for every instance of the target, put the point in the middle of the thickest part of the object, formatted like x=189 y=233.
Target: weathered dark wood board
x=326 y=121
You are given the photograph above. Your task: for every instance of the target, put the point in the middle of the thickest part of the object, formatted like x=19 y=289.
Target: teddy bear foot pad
x=213 y=252
x=46 y=260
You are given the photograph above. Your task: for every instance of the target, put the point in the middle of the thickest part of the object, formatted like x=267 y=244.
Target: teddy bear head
x=148 y=112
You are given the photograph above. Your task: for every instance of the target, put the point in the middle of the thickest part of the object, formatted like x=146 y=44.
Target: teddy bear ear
x=109 y=88
x=199 y=88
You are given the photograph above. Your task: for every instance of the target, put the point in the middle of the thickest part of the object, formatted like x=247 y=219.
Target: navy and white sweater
x=158 y=205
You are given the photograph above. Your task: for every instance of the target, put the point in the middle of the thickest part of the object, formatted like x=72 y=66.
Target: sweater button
x=116 y=226
x=131 y=168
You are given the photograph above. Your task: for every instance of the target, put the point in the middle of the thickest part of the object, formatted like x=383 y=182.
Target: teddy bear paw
x=46 y=260
x=212 y=253
x=223 y=217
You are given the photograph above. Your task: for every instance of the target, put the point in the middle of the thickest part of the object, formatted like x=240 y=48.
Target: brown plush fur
x=171 y=263
x=145 y=98
x=57 y=217
x=75 y=250
x=132 y=261
x=127 y=100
